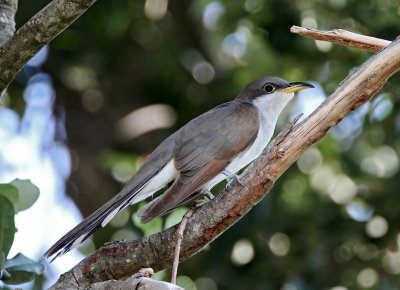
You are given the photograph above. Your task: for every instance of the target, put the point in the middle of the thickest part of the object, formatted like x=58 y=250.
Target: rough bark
x=8 y=8
x=119 y=259
x=139 y=281
x=37 y=32
x=343 y=37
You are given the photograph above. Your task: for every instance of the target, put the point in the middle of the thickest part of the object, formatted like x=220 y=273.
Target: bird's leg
x=230 y=176
x=208 y=193
x=207 y=196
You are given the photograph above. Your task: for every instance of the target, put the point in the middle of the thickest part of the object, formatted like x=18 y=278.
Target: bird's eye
x=269 y=88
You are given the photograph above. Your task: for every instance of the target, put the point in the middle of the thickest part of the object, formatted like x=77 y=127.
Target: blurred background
x=84 y=113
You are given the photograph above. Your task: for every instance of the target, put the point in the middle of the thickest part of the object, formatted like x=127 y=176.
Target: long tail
x=95 y=221
x=156 y=172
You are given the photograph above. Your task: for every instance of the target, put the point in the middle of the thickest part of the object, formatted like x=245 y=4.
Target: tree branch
x=8 y=8
x=140 y=280
x=343 y=37
x=37 y=32
x=120 y=259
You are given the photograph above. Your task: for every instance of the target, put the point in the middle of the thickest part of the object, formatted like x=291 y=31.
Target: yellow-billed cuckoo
x=205 y=151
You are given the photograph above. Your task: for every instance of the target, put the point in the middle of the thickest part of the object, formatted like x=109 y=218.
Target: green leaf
x=20 y=262
x=22 y=269
x=4 y=274
x=19 y=277
x=2 y=260
x=152 y=227
x=9 y=191
x=175 y=217
x=7 y=224
x=28 y=193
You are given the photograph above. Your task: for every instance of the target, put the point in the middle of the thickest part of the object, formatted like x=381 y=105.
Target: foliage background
x=332 y=219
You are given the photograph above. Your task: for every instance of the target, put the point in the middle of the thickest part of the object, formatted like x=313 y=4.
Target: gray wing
x=204 y=147
x=154 y=164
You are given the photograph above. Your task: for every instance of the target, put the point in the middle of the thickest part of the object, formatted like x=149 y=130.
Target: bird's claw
x=231 y=177
x=207 y=196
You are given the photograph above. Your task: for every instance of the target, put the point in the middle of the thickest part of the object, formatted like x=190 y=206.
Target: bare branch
x=120 y=259
x=343 y=37
x=37 y=32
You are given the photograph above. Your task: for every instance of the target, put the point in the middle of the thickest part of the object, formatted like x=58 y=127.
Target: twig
x=179 y=237
x=343 y=37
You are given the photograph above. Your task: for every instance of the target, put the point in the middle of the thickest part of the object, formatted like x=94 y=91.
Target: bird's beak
x=297 y=86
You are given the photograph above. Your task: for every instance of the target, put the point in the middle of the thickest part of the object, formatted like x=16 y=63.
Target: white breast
x=263 y=136
x=269 y=107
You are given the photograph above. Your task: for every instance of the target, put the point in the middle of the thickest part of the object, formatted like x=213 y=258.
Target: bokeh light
x=338 y=288
x=212 y=14
x=205 y=283
x=310 y=161
x=242 y=252
x=185 y=282
x=383 y=162
x=367 y=278
x=155 y=9
x=391 y=262
x=279 y=244
x=146 y=119
x=341 y=189
x=359 y=210
x=376 y=227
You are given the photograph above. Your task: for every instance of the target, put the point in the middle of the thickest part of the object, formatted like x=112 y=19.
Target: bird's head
x=271 y=88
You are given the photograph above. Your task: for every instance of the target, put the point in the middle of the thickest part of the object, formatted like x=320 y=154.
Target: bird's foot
x=208 y=193
x=207 y=196
x=231 y=177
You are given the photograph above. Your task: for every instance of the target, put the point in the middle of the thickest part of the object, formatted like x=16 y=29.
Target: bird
x=207 y=150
